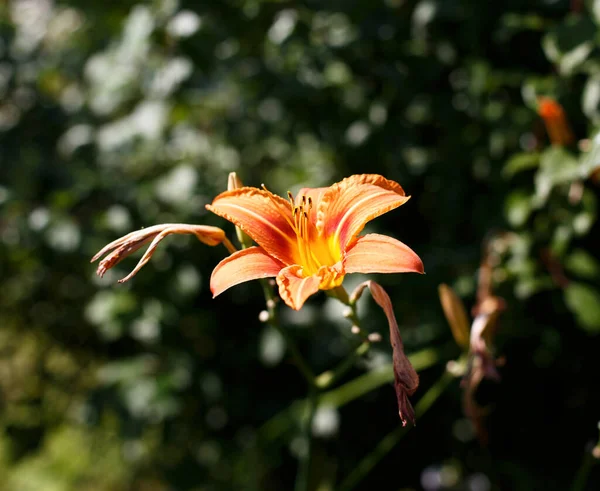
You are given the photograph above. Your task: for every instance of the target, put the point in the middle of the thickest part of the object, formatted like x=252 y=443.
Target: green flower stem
x=280 y=424
x=304 y=464
x=391 y=439
x=352 y=315
x=272 y=320
x=328 y=378
x=589 y=460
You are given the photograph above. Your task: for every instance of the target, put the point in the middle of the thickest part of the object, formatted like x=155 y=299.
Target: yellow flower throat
x=313 y=250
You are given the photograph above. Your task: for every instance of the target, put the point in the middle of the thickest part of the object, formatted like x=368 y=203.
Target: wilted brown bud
x=126 y=245
x=456 y=315
x=406 y=379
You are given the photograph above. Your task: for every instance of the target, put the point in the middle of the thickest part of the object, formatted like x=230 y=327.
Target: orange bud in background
x=555 y=120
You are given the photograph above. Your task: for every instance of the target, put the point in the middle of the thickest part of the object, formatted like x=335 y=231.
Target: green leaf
x=569 y=44
x=590 y=161
x=596 y=10
x=557 y=166
x=521 y=162
x=571 y=60
x=590 y=100
x=582 y=264
x=517 y=208
x=584 y=302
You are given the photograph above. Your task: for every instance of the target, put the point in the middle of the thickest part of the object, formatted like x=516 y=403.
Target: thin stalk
x=589 y=460
x=229 y=246
x=281 y=423
x=329 y=377
x=306 y=371
x=304 y=464
x=391 y=439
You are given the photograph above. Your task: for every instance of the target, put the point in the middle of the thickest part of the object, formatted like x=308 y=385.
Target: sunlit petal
x=265 y=217
x=294 y=289
x=347 y=206
x=375 y=253
x=245 y=265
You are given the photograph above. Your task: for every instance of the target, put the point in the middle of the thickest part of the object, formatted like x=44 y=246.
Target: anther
x=309 y=203
x=290 y=196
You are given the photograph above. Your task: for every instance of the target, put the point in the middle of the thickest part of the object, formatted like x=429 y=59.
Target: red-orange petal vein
x=265 y=217
x=347 y=206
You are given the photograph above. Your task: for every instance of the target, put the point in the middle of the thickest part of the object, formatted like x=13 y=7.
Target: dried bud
x=456 y=315
x=126 y=245
x=406 y=379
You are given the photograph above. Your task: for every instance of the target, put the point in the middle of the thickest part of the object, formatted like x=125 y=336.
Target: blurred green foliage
x=118 y=115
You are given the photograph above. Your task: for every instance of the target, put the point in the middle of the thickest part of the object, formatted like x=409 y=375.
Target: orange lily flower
x=309 y=243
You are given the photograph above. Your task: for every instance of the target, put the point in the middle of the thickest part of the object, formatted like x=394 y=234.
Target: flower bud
x=233 y=183
x=556 y=122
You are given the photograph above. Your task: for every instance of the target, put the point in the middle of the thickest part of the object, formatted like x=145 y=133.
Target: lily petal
x=294 y=289
x=128 y=244
x=375 y=253
x=264 y=216
x=347 y=206
x=245 y=265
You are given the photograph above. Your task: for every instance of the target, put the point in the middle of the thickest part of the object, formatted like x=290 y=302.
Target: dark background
x=116 y=115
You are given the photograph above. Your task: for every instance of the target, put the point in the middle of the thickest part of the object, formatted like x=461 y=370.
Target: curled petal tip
x=130 y=243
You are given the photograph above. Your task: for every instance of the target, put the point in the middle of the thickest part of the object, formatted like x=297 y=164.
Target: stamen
x=309 y=203
x=271 y=198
